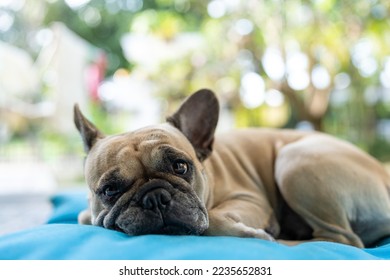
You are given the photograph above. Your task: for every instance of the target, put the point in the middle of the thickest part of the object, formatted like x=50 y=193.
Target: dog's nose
x=156 y=199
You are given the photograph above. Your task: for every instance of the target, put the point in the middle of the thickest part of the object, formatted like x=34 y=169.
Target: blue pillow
x=62 y=238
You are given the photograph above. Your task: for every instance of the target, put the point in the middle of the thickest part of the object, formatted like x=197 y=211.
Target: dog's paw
x=254 y=232
x=228 y=225
x=264 y=235
x=84 y=217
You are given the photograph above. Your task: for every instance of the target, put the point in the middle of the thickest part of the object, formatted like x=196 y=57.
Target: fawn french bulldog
x=274 y=184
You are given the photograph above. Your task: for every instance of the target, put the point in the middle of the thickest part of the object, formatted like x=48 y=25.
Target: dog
x=180 y=178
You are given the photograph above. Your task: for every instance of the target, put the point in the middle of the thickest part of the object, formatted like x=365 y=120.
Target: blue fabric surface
x=62 y=238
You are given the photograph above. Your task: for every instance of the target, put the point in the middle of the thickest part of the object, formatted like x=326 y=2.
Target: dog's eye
x=180 y=167
x=111 y=191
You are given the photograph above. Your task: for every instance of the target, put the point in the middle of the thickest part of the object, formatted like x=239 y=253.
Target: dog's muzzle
x=157 y=208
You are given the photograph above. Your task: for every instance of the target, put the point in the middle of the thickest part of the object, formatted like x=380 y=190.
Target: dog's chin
x=164 y=230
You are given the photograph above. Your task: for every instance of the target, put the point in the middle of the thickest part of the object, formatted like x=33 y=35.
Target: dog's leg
x=231 y=219
x=338 y=190
x=319 y=207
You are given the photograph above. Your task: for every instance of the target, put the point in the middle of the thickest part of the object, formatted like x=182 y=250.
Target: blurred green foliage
x=344 y=42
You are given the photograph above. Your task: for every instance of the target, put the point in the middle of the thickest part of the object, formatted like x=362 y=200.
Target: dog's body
x=175 y=178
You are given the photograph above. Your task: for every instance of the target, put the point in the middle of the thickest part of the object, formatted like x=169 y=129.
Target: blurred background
x=306 y=64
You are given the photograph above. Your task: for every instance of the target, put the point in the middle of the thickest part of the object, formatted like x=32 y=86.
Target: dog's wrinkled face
x=147 y=181
x=151 y=180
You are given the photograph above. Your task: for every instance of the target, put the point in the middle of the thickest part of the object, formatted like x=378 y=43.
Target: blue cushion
x=63 y=238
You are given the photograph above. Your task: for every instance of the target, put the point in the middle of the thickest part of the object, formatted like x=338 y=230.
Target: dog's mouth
x=158 y=227
x=161 y=209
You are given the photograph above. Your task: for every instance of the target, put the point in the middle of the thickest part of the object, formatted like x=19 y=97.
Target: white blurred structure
x=63 y=63
x=18 y=74
x=60 y=67
x=19 y=83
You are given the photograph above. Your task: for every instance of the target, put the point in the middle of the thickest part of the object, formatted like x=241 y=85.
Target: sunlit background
x=306 y=64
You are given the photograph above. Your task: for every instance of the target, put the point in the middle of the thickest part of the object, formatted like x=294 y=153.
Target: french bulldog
x=180 y=178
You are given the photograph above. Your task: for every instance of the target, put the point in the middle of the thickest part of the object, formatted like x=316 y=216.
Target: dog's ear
x=197 y=119
x=88 y=131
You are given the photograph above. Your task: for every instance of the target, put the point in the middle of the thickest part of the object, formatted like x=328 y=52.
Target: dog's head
x=152 y=180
